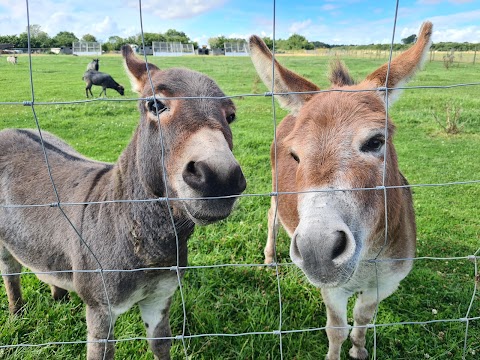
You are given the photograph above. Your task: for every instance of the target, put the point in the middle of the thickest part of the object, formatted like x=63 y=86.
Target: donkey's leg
x=155 y=315
x=335 y=300
x=58 y=293
x=100 y=323
x=8 y=265
x=273 y=225
x=363 y=312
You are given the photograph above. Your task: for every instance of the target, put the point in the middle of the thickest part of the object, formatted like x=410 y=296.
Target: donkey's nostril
x=197 y=175
x=238 y=181
x=191 y=167
x=340 y=244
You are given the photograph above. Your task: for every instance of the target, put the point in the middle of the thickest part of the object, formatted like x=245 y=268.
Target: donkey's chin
x=207 y=211
x=334 y=278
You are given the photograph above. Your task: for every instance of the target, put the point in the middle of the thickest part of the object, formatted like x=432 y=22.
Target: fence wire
x=276 y=265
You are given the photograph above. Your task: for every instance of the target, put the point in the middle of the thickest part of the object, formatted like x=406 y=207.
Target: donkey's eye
x=294 y=156
x=156 y=106
x=231 y=118
x=373 y=144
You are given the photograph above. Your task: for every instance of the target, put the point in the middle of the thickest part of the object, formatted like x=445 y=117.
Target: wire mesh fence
x=272 y=292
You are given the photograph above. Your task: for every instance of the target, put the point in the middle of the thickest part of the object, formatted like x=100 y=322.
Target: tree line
x=40 y=39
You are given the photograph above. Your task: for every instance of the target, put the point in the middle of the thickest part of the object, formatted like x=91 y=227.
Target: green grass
x=234 y=300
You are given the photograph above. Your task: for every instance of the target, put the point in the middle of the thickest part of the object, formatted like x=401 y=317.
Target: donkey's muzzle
x=325 y=249
x=209 y=181
x=217 y=184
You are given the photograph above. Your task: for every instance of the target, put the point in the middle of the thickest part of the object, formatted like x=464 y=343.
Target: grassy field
x=236 y=300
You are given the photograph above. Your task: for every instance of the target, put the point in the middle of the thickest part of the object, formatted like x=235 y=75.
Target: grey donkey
x=92 y=77
x=93 y=65
x=197 y=163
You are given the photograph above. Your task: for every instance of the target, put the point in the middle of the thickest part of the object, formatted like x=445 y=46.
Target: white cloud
x=105 y=27
x=158 y=16
x=103 y=21
x=239 y=36
x=202 y=40
x=456 y=19
x=328 y=7
x=436 y=2
x=265 y=34
x=456 y=27
x=176 y=9
x=429 y=2
x=469 y=34
x=298 y=27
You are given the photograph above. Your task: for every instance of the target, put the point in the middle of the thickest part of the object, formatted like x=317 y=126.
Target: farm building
x=172 y=49
x=67 y=50
x=86 y=48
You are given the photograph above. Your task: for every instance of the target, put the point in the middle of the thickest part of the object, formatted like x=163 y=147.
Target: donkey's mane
x=339 y=75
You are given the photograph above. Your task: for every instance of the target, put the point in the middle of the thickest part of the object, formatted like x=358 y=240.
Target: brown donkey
x=199 y=163
x=337 y=140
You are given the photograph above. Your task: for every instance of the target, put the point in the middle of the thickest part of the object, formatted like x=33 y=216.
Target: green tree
x=35 y=30
x=89 y=38
x=38 y=38
x=22 y=40
x=217 y=42
x=64 y=38
x=151 y=37
x=409 y=39
x=268 y=42
x=43 y=40
x=114 y=43
x=9 y=39
x=176 y=36
x=297 y=42
x=320 y=45
x=133 y=40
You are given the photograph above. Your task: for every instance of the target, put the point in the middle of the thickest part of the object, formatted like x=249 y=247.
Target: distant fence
x=435 y=55
x=25 y=51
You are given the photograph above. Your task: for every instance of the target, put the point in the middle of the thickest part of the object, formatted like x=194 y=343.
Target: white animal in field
x=342 y=140
x=12 y=60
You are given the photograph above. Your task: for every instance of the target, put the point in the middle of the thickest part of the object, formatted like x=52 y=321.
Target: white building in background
x=87 y=48
x=172 y=49
x=239 y=48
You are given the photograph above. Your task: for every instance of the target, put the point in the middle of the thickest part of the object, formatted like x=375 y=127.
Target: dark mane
x=339 y=75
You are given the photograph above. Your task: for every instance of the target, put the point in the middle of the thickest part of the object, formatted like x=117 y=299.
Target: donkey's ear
x=136 y=68
x=404 y=66
x=285 y=80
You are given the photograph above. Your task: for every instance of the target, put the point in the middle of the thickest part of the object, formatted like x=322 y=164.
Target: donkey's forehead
x=182 y=82
x=343 y=109
x=339 y=115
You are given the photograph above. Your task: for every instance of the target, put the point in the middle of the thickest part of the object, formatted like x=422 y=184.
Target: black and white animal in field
x=12 y=60
x=92 y=77
x=196 y=160
x=93 y=65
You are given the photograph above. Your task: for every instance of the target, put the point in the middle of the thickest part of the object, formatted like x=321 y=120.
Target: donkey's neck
x=155 y=228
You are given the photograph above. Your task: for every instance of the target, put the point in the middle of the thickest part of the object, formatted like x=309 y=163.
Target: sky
x=330 y=21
